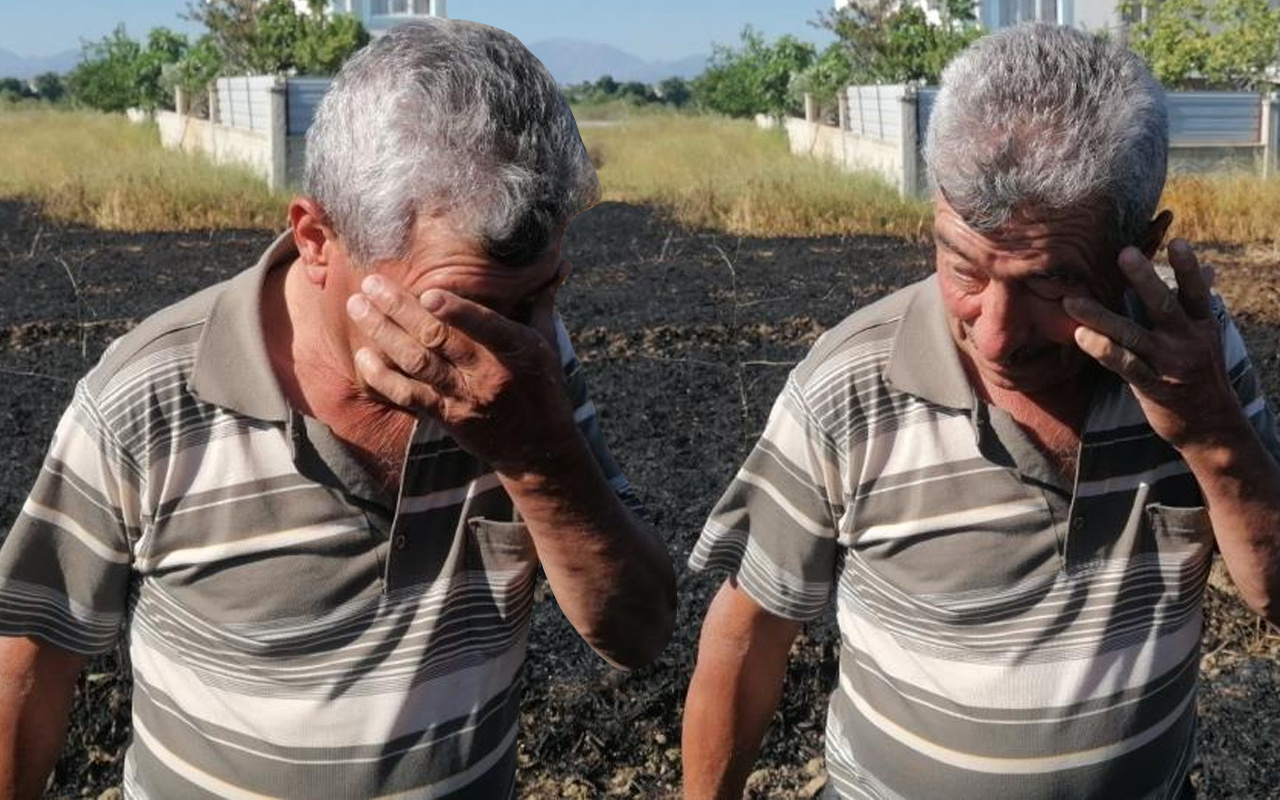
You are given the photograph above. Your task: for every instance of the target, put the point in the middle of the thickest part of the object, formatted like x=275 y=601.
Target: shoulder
x=163 y=344
x=861 y=341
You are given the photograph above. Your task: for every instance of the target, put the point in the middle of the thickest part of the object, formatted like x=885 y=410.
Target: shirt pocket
x=501 y=564
x=1179 y=527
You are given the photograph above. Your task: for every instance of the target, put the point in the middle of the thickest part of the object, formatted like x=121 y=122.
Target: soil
x=686 y=337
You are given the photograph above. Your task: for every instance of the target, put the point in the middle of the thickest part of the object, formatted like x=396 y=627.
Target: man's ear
x=1156 y=231
x=314 y=238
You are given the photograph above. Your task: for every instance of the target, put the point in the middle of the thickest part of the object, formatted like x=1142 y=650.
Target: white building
x=1092 y=15
x=379 y=15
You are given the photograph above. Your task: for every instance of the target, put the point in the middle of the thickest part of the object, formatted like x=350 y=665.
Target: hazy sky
x=655 y=29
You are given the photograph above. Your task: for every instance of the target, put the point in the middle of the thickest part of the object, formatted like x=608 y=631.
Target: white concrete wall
x=846 y=150
x=222 y=144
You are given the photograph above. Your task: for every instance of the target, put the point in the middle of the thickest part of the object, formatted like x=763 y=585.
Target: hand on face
x=496 y=384
x=1175 y=367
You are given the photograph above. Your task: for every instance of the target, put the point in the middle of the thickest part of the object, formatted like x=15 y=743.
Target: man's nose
x=1001 y=328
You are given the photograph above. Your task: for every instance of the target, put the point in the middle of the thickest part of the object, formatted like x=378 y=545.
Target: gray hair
x=452 y=117
x=1039 y=118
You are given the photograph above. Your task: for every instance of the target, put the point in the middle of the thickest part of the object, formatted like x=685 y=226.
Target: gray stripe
x=1148 y=770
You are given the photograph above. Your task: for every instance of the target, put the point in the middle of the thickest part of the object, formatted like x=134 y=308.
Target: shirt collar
x=924 y=361
x=233 y=369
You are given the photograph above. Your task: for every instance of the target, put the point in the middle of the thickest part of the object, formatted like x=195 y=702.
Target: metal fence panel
x=245 y=102
x=1214 y=118
x=875 y=112
x=303 y=97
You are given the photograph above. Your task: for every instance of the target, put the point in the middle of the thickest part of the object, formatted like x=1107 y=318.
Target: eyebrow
x=941 y=238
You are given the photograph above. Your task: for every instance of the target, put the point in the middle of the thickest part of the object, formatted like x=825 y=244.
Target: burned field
x=686 y=338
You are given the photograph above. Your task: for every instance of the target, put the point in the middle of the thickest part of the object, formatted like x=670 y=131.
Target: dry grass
x=708 y=172
x=729 y=175
x=1227 y=209
x=103 y=171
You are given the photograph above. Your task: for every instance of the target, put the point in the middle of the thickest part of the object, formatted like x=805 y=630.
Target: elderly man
x=318 y=493
x=1013 y=475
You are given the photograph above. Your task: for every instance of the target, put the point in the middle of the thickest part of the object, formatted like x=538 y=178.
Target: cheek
x=1055 y=324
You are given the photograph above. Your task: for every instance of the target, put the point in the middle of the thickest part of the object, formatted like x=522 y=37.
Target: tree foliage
x=119 y=73
x=887 y=41
x=755 y=77
x=1208 y=44
x=274 y=38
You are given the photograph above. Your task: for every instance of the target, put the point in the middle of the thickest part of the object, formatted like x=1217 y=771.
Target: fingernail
x=357 y=306
x=432 y=300
x=364 y=359
x=372 y=284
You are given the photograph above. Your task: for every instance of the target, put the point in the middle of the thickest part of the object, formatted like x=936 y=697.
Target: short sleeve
x=774 y=529
x=65 y=564
x=584 y=414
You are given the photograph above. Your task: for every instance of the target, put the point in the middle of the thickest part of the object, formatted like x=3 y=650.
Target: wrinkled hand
x=1175 y=367
x=496 y=385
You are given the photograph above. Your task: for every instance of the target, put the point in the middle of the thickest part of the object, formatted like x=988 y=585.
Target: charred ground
x=686 y=338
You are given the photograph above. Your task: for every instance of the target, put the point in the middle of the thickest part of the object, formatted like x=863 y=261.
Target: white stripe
x=65 y=523
x=278 y=540
x=1032 y=685
x=344 y=720
x=802 y=519
x=970 y=519
x=449 y=497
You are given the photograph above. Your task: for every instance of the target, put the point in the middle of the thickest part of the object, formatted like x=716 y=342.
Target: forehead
x=1077 y=234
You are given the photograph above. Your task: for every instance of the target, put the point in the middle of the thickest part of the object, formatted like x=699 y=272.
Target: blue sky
x=654 y=30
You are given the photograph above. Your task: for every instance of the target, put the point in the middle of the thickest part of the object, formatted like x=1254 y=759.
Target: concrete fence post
x=842 y=105
x=278 y=133
x=910 y=143
x=810 y=108
x=1270 y=135
x=180 y=100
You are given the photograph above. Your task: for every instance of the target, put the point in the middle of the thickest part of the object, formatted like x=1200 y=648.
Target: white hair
x=453 y=117
x=1039 y=118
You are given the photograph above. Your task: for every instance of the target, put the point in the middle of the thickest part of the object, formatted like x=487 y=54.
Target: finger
x=405 y=352
x=1103 y=321
x=1161 y=302
x=407 y=313
x=1193 y=289
x=543 y=316
x=395 y=387
x=1120 y=360
x=481 y=325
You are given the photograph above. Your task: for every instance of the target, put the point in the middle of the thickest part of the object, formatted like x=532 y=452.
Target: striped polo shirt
x=294 y=631
x=1003 y=633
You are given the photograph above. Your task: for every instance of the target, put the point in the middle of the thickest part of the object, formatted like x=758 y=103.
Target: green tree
x=674 y=91
x=606 y=86
x=274 y=38
x=892 y=42
x=754 y=78
x=105 y=79
x=1223 y=44
x=49 y=86
x=13 y=90
x=826 y=77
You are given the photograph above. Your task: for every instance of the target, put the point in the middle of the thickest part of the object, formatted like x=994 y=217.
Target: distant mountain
x=13 y=65
x=574 y=61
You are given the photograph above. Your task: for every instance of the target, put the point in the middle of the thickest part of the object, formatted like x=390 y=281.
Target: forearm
x=35 y=699
x=1240 y=482
x=611 y=574
x=732 y=696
